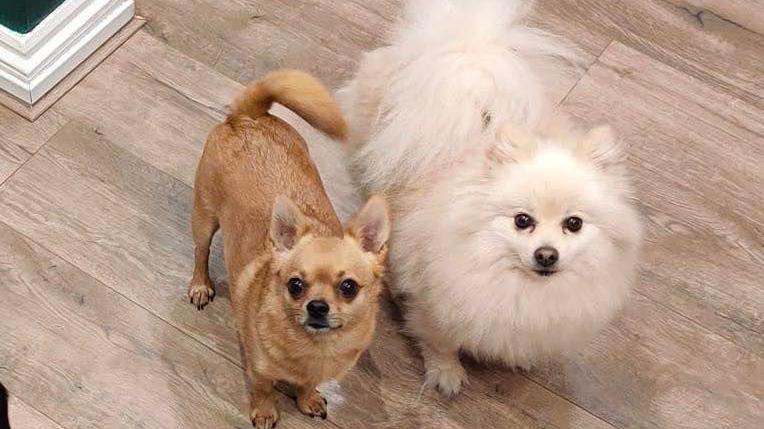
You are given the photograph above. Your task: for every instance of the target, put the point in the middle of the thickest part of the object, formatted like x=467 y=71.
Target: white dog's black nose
x=546 y=256
x=318 y=308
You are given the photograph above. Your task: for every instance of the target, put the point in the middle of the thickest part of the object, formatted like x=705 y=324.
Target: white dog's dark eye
x=348 y=288
x=295 y=287
x=523 y=221
x=573 y=223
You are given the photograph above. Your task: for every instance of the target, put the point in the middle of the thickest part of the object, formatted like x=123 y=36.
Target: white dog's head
x=560 y=205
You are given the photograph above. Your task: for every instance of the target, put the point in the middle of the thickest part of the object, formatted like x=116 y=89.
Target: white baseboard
x=32 y=64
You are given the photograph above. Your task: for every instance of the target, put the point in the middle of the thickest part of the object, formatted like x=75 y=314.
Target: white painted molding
x=32 y=64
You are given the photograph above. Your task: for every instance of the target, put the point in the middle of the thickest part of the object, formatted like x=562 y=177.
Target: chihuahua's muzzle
x=318 y=316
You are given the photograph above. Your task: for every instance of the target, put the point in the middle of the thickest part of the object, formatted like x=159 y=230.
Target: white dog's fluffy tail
x=431 y=25
x=453 y=68
x=439 y=22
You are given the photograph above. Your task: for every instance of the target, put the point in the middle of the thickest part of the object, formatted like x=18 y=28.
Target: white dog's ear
x=371 y=225
x=287 y=224
x=511 y=143
x=601 y=146
x=500 y=154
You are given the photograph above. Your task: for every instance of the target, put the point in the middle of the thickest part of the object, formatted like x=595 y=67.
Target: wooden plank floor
x=95 y=250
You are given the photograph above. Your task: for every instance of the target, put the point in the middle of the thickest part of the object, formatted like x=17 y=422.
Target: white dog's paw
x=447 y=377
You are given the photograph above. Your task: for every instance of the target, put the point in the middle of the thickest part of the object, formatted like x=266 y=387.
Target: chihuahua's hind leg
x=310 y=402
x=201 y=291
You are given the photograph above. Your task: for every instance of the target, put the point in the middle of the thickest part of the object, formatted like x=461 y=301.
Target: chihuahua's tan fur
x=304 y=290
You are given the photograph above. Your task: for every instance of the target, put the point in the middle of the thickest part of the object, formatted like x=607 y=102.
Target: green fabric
x=23 y=15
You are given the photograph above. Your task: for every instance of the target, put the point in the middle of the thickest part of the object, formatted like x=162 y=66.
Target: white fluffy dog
x=514 y=238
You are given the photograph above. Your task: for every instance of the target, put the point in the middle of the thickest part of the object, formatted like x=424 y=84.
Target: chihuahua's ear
x=371 y=225
x=601 y=146
x=287 y=224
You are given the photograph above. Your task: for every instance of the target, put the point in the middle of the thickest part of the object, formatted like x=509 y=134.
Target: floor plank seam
x=210 y=110
x=699 y=325
x=48 y=100
x=693 y=69
x=72 y=263
x=78 y=268
x=59 y=424
x=586 y=72
x=685 y=351
x=695 y=322
x=573 y=403
x=139 y=305
x=716 y=115
x=32 y=155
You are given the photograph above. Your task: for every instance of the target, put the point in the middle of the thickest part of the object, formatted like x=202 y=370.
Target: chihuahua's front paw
x=264 y=416
x=201 y=293
x=447 y=376
x=312 y=404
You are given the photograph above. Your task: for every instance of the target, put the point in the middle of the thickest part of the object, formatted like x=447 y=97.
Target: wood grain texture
x=385 y=390
x=117 y=218
x=696 y=154
x=95 y=250
x=23 y=416
x=19 y=138
x=153 y=102
x=704 y=46
x=245 y=40
x=691 y=337
x=124 y=222
x=748 y=14
x=32 y=112
x=654 y=368
x=88 y=356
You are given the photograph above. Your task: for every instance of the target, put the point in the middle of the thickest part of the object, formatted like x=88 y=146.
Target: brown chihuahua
x=304 y=291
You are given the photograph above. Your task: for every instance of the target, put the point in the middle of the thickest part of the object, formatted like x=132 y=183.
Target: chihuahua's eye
x=573 y=223
x=348 y=288
x=523 y=221
x=295 y=287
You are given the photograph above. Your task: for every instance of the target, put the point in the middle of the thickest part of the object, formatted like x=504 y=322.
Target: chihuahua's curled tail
x=298 y=91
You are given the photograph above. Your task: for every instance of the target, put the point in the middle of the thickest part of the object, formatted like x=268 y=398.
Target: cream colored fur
x=452 y=123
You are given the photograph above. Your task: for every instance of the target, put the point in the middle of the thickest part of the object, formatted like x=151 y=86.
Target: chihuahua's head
x=329 y=283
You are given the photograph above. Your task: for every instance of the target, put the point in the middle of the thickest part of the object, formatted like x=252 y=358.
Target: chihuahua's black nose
x=318 y=308
x=546 y=256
